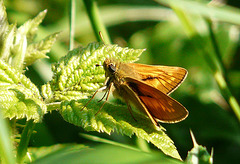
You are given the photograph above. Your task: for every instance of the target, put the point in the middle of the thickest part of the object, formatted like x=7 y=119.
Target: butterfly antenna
x=101 y=36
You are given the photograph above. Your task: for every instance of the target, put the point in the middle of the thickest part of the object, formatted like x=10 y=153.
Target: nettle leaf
x=38 y=50
x=3 y=20
x=7 y=42
x=30 y=27
x=77 y=75
x=24 y=36
x=6 y=33
x=116 y=118
x=16 y=47
x=19 y=97
x=19 y=51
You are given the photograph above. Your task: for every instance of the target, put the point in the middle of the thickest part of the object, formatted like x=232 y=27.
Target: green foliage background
x=168 y=41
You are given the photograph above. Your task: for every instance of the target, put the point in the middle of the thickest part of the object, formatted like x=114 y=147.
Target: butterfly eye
x=112 y=68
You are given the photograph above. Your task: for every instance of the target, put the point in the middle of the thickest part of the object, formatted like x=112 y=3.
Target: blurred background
x=145 y=24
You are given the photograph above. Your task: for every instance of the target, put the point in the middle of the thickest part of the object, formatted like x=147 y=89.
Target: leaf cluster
x=20 y=98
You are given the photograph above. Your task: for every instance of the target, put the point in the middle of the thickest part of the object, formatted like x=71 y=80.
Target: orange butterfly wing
x=155 y=103
x=164 y=78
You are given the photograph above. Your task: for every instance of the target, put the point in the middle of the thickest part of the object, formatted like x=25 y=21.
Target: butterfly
x=146 y=87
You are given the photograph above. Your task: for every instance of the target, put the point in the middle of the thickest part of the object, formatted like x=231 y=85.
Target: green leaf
x=23 y=37
x=19 y=51
x=76 y=76
x=38 y=50
x=6 y=33
x=19 y=97
x=103 y=153
x=3 y=22
x=54 y=152
x=30 y=27
x=116 y=118
x=7 y=43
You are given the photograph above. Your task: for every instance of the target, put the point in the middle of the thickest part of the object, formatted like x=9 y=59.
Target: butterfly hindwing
x=159 y=105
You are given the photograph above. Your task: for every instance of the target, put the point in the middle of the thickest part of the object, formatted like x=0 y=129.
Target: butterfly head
x=110 y=67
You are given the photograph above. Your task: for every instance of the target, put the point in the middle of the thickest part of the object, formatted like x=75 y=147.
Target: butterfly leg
x=106 y=84
x=130 y=110
x=103 y=97
x=108 y=93
x=99 y=90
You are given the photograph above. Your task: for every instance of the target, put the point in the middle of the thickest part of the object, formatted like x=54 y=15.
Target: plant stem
x=224 y=86
x=72 y=23
x=97 y=24
x=216 y=48
x=221 y=76
x=25 y=137
x=6 y=152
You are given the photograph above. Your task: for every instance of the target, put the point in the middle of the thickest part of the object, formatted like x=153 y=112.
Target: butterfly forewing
x=160 y=106
x=164 y=78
